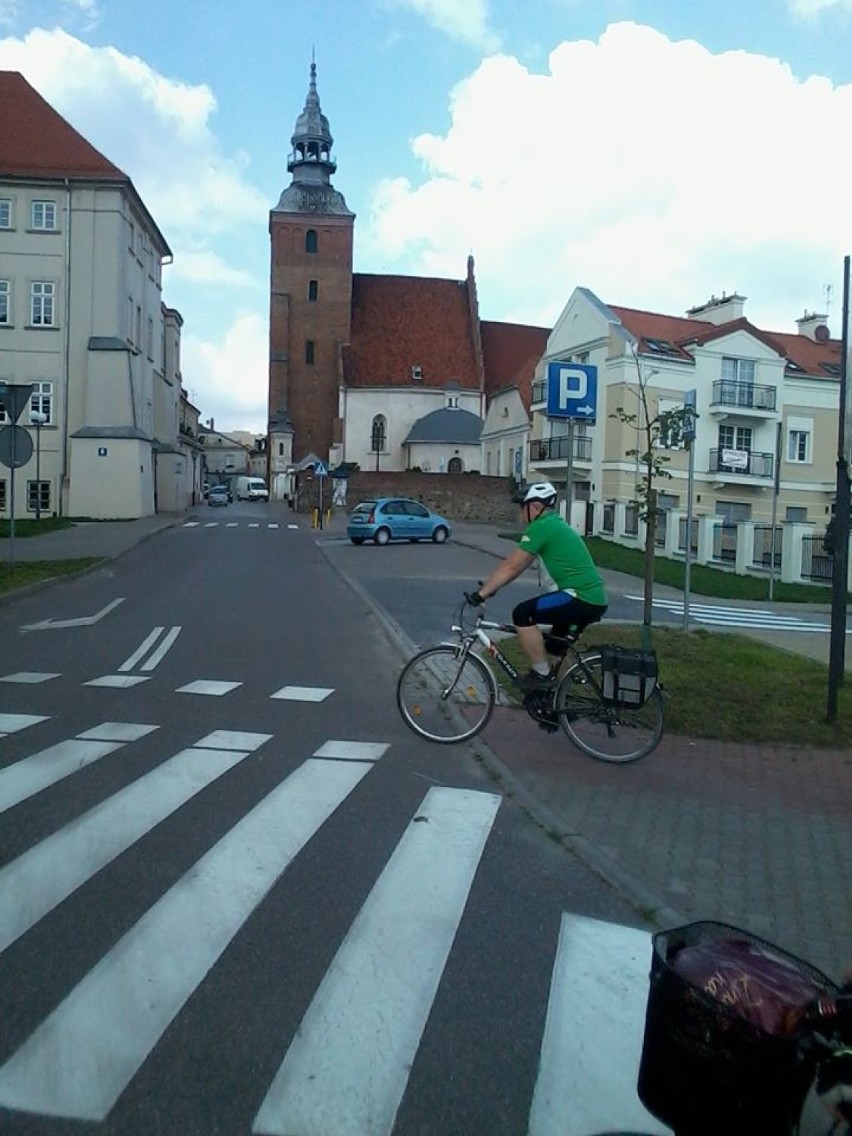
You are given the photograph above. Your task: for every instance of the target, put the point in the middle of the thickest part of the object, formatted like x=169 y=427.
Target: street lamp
x=38 y=419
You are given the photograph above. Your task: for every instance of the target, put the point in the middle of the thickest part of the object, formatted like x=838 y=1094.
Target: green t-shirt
x=565 y=556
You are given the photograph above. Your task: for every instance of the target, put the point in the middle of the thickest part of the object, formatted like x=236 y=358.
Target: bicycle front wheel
x=609 y=733
x=444 y=695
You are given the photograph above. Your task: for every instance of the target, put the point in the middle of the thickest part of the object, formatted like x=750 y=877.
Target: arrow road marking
x=82 y=621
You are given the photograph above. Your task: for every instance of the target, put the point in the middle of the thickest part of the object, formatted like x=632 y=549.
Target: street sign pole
x=689 y=401
x=569 y=472
x=840 y=562
x=775 y=490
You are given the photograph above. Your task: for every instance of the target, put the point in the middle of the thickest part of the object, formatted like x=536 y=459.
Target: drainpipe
x=66 y=344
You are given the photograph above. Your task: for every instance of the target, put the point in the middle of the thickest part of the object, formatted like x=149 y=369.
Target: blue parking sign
x=572 y=391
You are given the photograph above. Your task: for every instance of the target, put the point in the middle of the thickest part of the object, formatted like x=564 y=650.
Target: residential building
x=760 y=395
x=82 y=319
x=224 y=456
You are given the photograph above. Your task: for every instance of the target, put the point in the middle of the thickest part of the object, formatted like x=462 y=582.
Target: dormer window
x=452 y=402
x=417 y=372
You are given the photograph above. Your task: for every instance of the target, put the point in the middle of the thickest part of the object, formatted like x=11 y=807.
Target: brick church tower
x=310 y=302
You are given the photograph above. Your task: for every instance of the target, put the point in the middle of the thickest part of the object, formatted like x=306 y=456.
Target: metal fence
x=762 y=550
x=725 y=542
x=816 y=563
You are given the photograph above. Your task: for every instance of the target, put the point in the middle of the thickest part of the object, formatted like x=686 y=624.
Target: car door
x=419 y=523
x=397 y=519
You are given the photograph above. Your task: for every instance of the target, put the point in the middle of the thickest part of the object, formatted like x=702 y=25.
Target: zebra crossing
x=346 y=1069
x=237 y=525
x=718 y=615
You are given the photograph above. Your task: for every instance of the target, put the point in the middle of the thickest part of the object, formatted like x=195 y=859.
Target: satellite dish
x=821 y=333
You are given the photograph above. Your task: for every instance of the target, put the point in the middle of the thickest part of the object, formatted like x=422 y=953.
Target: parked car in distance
x=205 y=489
x=251 y=489
x=395 y=518
x=218 y=495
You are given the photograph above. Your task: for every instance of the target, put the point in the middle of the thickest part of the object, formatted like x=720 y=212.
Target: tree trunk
x=650 y=548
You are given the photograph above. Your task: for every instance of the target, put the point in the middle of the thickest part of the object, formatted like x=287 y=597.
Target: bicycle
x=447 y=693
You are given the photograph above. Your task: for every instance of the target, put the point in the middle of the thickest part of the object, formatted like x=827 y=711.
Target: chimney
x=719 y=310
x=814 y=326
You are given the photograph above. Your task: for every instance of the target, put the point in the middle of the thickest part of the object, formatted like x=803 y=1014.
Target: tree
x=656 y=434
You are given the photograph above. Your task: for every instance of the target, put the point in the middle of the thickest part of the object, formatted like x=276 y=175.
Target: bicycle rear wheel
x=445 y=696
x=609 y=733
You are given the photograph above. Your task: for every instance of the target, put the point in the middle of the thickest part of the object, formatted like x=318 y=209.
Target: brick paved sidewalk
x=758 y=836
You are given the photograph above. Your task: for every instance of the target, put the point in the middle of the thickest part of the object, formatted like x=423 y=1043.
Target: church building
x=389 y=372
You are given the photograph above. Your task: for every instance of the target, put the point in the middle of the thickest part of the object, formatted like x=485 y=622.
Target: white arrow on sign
x=82 y=621
x=584 y=409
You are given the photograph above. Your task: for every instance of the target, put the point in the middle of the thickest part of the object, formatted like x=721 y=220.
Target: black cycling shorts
x=564 y=612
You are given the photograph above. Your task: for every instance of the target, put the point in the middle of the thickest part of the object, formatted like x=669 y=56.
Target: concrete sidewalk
x=759 y=836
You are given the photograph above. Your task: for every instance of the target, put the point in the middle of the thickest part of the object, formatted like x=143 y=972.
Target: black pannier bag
x=628 y=675
x=719 y=1054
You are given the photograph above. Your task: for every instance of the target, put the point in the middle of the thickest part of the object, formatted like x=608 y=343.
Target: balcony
x=538 y=395
x=748 y=464
x=556 y=449
x=752 y=399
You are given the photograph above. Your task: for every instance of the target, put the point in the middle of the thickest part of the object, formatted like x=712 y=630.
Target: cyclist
x=580 y=597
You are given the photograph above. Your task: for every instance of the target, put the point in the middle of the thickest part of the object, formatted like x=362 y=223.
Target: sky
x=657 y=152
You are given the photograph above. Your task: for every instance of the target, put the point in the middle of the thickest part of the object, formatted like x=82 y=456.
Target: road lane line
x=347 y=1067
x=130 y=662
x=83 y=1056
x=593 y=1033
x=41 y=770
x=11 y=723
x=157 y=656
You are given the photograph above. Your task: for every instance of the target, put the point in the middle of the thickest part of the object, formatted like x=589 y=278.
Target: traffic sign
x=572 y=391
x=320 y=470
x=15 y=396
x=16 y=447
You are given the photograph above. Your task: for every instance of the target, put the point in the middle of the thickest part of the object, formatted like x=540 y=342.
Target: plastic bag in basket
x=762 y=987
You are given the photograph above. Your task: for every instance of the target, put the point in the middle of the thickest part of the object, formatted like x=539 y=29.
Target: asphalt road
x=238 y=895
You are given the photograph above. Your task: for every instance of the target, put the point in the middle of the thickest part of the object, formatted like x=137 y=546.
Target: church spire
x=310 y=161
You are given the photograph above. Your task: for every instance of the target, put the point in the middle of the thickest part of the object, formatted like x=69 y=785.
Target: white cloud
x=231 y=373
x=811 y=8
x=652 y=171
x=464 y=20
x=206 y=267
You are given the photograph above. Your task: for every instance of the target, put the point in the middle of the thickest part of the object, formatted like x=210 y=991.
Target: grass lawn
x=29 y=526
x=25 y=574
x=726 y=686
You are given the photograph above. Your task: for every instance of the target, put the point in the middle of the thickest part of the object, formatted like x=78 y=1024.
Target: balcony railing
x=539 y=392
x=556 y=449
x=750 y=465
x=746 y=396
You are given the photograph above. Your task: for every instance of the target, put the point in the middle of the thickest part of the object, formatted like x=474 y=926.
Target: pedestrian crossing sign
x=320 y=470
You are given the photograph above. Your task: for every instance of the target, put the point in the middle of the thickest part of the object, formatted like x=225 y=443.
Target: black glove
x=475 y=599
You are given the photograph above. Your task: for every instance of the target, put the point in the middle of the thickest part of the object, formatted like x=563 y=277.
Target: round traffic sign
x=16 y=447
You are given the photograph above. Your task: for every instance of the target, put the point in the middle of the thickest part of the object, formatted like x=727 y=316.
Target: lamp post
x=38 y=419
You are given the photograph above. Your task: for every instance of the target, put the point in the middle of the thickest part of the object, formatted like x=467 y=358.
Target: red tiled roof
x=804 y=353
x=399 y=322
x=36 y=142
x=510 y=352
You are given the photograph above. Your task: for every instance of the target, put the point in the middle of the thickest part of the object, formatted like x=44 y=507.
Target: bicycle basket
x=628 y=676
x=707 y=1066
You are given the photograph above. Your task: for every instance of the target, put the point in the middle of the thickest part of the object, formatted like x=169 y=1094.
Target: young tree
x=657 y=433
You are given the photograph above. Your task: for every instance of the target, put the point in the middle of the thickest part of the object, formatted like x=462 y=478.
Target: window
x=42 y=296
x=2 y=494
x=149 y=339
x=417 y=372
x=281 y=449
x=38 y=496
x=129 y=309
x=138 y=327
x=738 y=370
x=452 y=401
x=309 y=352
x=734 y=437
x=5 y=213
x=311 y=240
x=4 y=302
x=4 y=417
x=313 y=289
x=131 y=243
x=44 y=215
x=378 y=434
x=796 y=514
x=799 y=435
x=41 y=401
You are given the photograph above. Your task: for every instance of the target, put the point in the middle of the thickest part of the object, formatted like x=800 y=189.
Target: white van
x=251 y=489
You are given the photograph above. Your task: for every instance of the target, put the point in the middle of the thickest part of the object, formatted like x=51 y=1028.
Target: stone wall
x=456 y=496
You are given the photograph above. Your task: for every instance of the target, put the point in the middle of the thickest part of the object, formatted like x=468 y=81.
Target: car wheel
x=439 y=535
x=382 y=536
x=357 y=539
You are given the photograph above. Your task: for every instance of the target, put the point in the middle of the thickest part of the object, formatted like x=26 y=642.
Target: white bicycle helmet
x=539 y=491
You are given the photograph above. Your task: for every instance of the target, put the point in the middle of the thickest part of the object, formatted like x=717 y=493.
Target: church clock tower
x=310 y=302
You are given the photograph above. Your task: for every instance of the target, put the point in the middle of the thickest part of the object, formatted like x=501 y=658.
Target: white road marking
x=292 y=526
x=29 y=677
x=272 y=525
x=11 y=723
x=191 y=525
x=232 y=524
x=232 y=739
x=208 y=686
x=142 y=650
x=719 y=616
x=303 y=693
x=352 y=751
x=50 y=871
x=118 y=732
x=158 y=655
x=81 y=621
x=117 y=681
x=347 y=1067
x=593 y=1033
x=212 y=525
x=83 y=1056
x=41 y=770
x=254 y=525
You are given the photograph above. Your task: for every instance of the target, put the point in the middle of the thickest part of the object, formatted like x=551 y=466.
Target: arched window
x=378 y=434
x=309 y=351
x=313 y=289
x=311 y=240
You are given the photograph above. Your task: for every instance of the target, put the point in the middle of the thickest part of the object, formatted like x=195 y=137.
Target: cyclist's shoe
x=533 y=681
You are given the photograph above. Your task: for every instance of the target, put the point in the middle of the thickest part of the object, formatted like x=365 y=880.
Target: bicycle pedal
x=549 y=727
